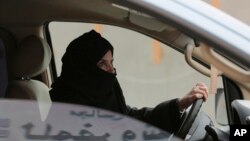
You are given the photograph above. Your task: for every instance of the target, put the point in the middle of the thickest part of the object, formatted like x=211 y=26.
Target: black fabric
x=82 y=82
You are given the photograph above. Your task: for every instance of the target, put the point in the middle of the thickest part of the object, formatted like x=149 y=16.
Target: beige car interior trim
x=228 y=68
x=213 y=79
x=213 y=73
x=195 y=65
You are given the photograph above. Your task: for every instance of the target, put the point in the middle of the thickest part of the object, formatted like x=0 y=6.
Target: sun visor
x=147 y=22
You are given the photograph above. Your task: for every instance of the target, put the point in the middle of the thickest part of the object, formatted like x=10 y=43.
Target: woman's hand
x=197 y=92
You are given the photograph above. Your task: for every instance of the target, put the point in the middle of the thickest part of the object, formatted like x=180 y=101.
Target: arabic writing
x=128 y=135
x=95 y=113
x=155 y=136
x=4 y=124
x=85 y=135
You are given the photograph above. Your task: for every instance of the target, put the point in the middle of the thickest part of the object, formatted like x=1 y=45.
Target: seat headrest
x=32 y=58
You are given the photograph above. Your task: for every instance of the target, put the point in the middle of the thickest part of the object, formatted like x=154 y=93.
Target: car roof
x=175 y=22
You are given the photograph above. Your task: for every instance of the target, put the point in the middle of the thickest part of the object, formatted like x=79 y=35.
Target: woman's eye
x=101 y=64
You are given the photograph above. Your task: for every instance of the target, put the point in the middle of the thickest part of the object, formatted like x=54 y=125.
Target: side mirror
x=220 y=107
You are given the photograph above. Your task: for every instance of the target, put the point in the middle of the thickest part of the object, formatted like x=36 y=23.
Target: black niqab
x=82 y=82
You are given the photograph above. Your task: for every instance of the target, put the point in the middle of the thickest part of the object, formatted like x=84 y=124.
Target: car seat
x=32 y=58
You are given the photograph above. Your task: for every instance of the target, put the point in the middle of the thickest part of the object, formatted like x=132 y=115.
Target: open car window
x=146 y=68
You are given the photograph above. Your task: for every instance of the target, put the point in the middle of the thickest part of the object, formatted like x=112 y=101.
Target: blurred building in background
x=236 y=8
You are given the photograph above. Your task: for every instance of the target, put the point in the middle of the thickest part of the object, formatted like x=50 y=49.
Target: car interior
x=27 y=57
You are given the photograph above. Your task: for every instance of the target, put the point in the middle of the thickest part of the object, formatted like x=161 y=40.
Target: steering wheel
x=188 y=120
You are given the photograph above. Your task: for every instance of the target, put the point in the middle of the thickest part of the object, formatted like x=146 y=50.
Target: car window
x=3 y=70
x=81 y=123
x=146 y=69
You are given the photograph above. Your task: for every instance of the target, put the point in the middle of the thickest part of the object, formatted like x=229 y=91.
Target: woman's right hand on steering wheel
x=197 y=92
